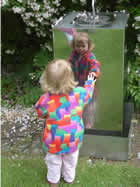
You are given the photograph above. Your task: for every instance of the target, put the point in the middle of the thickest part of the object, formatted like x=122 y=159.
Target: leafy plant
x=16 y=91
x=41 y=59
x=31 y=96
x=133 y=88
x=9 y=89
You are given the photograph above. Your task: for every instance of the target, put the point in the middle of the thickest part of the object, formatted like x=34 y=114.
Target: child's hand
x=92 y=76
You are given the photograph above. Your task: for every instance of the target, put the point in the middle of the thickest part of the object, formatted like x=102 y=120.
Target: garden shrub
x=27 y=40
x=133 y=53
x=18 y=48
x=133 y=87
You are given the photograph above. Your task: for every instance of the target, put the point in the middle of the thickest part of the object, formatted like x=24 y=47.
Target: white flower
x=39 y=19
x=35 y=6
x=137 y=27
x=56 y=1
x=54 y=20
x=62 y=8
x=3 y=3
x=32 y=76
x=137 y=51
x=138 y=38
x=17 y=10
x=38 y=34
x=19 y=1
x=28 y=15
x=45 y=15
x=83 y=2
x=31 y=24
x=10 y=52
x=137 y=18
x=42 y=34
x=45 y=23
x=46 y=7
x=52 y=10
x=74 y=1
x=48 y=47
x=37 y=15
x=28 y=30
x=128 y=69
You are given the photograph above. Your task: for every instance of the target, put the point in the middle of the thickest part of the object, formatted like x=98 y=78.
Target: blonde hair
x=58 y=77
x=80 y=37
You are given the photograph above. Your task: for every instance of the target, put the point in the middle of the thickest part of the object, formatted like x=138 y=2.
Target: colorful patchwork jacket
x=64 y=128
x=81 y=68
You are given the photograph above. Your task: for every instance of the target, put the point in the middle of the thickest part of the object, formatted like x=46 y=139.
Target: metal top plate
x=111 y=21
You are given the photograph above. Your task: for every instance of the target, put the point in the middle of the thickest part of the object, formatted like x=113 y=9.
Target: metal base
x=107 y=147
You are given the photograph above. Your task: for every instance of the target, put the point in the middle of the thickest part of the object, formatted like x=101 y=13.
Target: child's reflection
x=83 y=62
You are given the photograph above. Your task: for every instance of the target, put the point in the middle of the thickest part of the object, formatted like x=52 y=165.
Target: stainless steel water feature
x=108 y=32
x=87 y=18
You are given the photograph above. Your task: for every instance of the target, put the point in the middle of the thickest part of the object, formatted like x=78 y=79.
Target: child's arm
x=89 y=87
x=95 y=67
x=42 y=106
x=84 y=94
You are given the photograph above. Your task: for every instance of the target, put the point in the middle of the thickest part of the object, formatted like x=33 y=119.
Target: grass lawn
x=31 y=173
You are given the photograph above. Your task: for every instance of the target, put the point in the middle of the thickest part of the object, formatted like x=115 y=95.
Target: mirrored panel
x=109 y=51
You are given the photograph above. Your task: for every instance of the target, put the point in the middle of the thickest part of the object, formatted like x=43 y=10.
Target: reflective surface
x=109 y=50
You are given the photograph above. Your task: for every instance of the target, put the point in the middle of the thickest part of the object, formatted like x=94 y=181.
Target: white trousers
x=66 y=163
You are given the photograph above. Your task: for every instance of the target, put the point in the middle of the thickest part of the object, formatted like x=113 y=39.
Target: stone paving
x=21 y=134
x=134 y=141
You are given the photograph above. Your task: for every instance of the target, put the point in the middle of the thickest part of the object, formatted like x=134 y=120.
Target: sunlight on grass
x=97 y=173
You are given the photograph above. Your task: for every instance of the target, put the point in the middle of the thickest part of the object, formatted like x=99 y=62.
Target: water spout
x=93 y=18
x=93 y=8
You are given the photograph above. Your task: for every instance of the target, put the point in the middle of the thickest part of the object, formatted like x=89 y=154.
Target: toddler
x=83 y=63
x=61 y=106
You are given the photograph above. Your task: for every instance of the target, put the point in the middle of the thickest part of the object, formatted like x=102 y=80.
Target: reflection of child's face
x=81 y=47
